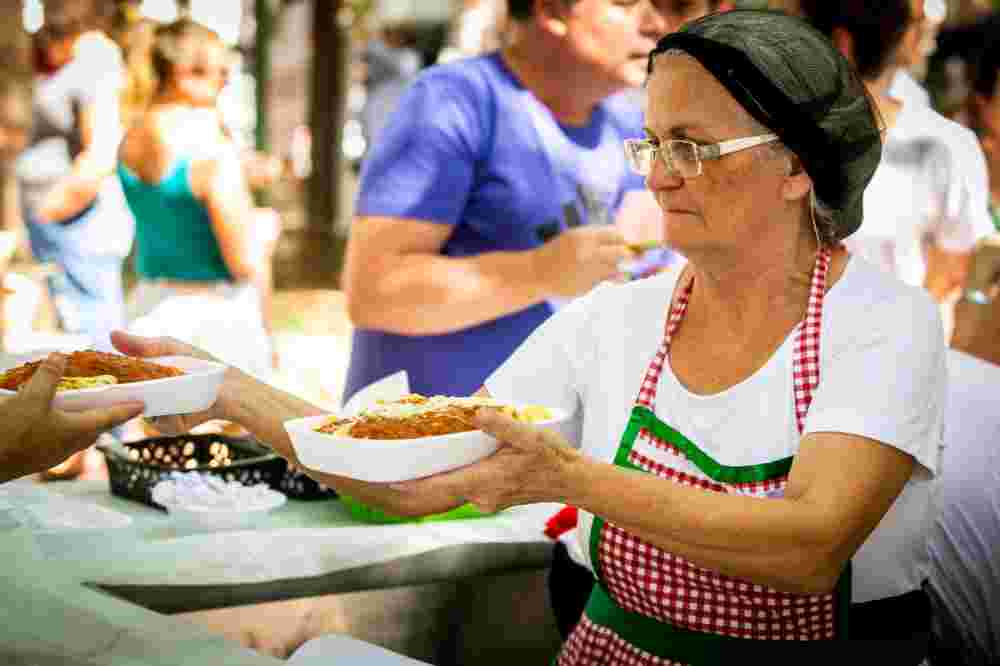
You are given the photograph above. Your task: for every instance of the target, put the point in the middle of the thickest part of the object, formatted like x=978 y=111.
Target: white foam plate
x=388 y=461
x=195 y=391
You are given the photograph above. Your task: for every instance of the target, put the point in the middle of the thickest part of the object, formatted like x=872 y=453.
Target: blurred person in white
x=71 y=219
x=33 y=436
x=203 y=251
x=906 y=86
x=964 y=542
x=926 y=205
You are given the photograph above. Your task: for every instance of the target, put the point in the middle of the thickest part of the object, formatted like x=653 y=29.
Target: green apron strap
x=697 y=648
x=637 y=420
x=709 y=466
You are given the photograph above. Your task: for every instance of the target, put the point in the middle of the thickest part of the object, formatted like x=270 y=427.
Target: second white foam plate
x=192 y=392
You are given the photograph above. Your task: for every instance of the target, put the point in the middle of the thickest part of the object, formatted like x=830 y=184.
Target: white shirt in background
x=931 y=189
x=882 y=376
x=964 y=541
x=908 y=90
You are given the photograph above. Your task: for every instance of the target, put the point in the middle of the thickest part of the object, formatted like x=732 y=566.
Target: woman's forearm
x=776 y=542
x=263 y=410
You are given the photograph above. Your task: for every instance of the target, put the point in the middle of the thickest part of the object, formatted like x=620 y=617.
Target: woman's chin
x=679 y=229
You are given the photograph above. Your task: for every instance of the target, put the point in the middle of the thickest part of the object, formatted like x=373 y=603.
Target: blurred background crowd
x=300 y=94
x=254 y=118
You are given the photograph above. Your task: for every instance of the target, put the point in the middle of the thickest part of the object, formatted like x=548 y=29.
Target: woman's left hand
x=532 y=465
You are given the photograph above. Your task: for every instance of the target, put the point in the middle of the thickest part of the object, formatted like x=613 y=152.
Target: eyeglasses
x=682 y=157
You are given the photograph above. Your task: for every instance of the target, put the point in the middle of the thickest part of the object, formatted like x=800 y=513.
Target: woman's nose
x=663 y=175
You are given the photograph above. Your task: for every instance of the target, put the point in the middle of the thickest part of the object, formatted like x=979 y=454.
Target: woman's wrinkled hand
x=34 y=436
x=141 y=347
x=532 y=465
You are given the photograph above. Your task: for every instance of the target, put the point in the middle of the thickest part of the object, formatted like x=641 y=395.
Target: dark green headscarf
x=792 y=80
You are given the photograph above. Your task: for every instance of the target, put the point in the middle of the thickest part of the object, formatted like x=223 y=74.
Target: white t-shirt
x=964 y=542
x=882 y=376
x=930 y=189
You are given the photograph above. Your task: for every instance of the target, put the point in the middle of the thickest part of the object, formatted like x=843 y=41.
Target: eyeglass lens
x=680 y=157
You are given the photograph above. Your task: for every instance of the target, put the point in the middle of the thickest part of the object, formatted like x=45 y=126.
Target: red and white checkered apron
x=643 y=579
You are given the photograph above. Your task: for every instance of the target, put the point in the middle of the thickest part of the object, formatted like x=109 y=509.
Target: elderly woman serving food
x=758 y=428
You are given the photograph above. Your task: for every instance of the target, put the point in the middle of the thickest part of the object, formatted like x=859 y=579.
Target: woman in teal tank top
x=202 y=251
x=179 y=244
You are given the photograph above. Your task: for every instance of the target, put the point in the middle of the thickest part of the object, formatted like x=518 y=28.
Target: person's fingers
x=136 y=345
x=142 y=347
x=518 y=434
x=41 y=388
x=101 y=420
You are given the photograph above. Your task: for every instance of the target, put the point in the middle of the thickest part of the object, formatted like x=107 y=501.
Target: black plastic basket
x=136 y=467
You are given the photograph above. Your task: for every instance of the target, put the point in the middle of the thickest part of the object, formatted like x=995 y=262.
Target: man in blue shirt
x=490 y=199
x=491 y=195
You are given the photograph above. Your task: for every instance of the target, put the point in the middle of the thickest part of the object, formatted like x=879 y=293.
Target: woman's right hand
x=142 y=347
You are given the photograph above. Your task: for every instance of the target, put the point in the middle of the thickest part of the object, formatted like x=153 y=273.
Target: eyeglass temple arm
x=717 y=150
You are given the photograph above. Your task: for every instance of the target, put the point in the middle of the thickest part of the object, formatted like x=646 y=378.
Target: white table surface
x=50 y=616
x=300 y=539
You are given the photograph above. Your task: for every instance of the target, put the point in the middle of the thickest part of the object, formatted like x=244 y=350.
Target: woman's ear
x=797 y=183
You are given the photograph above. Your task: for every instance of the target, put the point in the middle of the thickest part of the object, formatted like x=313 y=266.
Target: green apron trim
x=706 y=463
x=654 y=636
x=995 y=214
x=697 y=648
x=665 y=640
